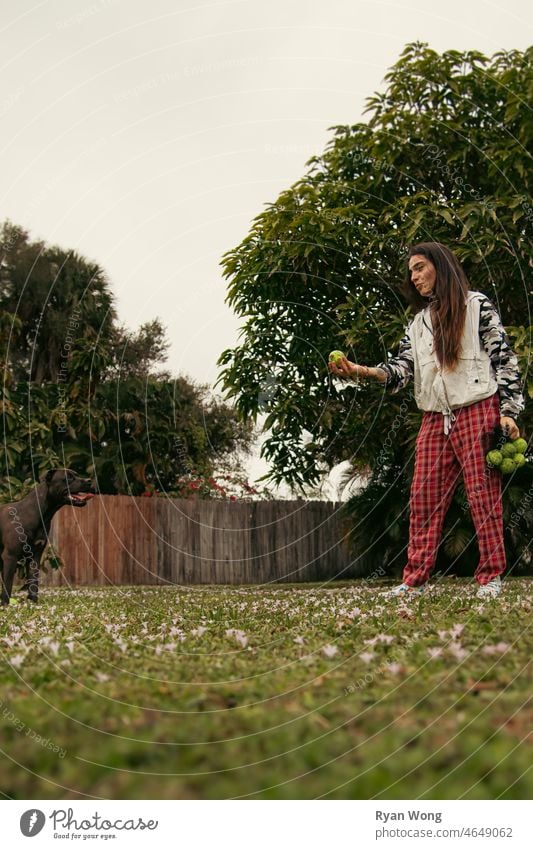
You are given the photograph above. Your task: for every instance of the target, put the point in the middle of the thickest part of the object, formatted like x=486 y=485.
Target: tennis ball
x=336 y=357
x=494 y=458
x=520 y=445
x=508 y=450
x=519 y=460
x=508 y=466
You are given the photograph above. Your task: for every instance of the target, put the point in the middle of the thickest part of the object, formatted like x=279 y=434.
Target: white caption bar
x=266 y=824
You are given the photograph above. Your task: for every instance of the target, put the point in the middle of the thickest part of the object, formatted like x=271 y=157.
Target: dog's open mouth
x=80 y=497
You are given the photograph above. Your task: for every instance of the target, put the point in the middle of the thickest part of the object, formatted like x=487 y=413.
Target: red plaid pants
x=440 y=460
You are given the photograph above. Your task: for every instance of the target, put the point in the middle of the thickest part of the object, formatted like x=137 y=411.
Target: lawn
x=270 y=692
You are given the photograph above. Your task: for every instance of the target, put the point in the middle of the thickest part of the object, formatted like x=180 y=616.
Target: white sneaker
x=405 y=591
x=490 y=590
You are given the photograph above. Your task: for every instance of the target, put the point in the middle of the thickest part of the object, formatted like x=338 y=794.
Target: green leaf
x=447 y=215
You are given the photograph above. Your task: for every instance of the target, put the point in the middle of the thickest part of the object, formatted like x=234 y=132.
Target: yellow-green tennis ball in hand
x=520 y=445
x=336 y=357
x=494 y=458
x=508 y=450
x=519 y=460
x=508 y=466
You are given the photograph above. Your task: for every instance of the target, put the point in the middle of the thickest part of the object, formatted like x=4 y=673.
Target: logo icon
x=32 y=822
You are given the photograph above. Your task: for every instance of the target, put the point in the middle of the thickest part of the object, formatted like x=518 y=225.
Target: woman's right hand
x=347 y=370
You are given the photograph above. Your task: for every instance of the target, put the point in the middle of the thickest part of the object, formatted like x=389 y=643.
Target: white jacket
x=472 y=379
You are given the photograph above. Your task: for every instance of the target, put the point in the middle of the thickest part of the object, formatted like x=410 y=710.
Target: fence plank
x=120 y=540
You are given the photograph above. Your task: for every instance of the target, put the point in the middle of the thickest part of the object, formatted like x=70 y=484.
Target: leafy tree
x=81 y=390
x=57 y=297
x=444 y=156
x=139 y=353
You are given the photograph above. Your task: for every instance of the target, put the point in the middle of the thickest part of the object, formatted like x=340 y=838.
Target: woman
x=466 y=380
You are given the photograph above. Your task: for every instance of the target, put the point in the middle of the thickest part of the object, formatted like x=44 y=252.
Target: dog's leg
x=33 y=571
x=9 y=561
x=2 y=580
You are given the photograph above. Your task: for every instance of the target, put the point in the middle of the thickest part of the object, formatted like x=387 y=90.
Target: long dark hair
x=447 y=301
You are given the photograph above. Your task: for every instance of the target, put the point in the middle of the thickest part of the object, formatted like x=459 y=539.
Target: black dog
x=24 y=525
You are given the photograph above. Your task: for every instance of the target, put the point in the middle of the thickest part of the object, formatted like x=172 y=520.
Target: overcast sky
x=147 y=135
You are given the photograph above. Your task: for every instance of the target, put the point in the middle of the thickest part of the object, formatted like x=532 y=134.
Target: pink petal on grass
x=394 y=668
x=239 y=635
x=329 y=651
x=367 y=656
x=499 y=648
x=458 y=651
x=434 y=652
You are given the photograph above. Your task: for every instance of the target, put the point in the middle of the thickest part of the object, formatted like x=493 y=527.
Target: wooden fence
x=123 y=540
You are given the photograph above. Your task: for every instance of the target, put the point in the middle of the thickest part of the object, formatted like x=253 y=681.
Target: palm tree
x=58 y=297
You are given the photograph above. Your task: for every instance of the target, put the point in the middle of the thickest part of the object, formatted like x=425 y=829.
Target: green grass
x=129 y=702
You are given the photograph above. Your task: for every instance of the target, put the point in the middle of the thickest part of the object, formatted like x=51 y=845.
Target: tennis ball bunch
x=509 y=457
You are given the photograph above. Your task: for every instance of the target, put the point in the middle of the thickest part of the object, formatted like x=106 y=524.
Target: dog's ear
x=47 y=477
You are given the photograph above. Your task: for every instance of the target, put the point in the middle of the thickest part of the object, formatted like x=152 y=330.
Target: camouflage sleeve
x=399 y=369
x=504 y=362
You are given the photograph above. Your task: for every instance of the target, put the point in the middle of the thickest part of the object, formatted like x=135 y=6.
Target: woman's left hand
x=509 y=426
